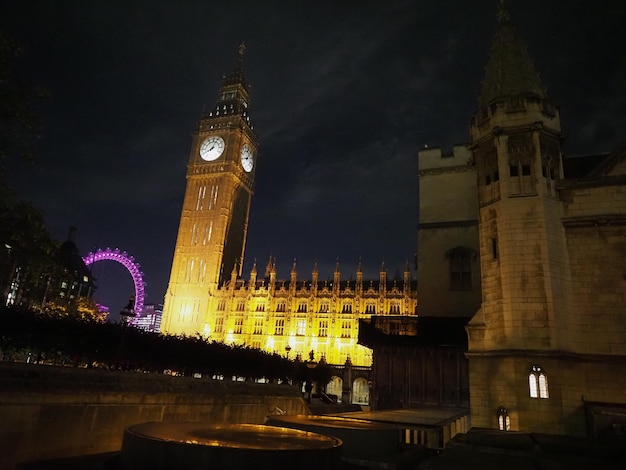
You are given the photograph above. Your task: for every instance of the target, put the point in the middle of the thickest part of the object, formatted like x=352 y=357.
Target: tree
x=27 y=252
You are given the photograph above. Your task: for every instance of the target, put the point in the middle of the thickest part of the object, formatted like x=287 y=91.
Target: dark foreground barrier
x=49 y=412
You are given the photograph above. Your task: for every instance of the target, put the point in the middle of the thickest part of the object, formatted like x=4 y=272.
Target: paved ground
x=425 y=416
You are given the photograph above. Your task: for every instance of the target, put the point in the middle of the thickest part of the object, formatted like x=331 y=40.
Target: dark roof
x=510 y=70
x=580 y=166
x=71 y=260
x=431 y=331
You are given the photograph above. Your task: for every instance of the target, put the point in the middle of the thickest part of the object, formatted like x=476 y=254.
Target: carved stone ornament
x=521 y=148
x=549 y=149
x=486 y=157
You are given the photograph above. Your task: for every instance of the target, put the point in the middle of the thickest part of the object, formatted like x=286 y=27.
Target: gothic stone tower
x=525 y=268
x=214 y=220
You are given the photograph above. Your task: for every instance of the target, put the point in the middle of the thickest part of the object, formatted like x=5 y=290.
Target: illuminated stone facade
x=214 y=219
x=547 y=346
x=295 y=316
x=206 y=294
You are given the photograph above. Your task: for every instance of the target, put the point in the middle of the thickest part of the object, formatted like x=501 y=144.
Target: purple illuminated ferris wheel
x=129 y=263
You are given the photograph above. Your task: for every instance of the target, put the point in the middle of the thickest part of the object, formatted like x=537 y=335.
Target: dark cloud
x=344 y=94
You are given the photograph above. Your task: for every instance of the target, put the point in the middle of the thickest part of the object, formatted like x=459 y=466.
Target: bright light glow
x=537 y=383
x=504 y=422
x=532 y=385
x=543 y=386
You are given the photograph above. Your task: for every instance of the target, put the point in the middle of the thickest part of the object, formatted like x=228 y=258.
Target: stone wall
x=502 y=381
x=595 y=221
x=448 y=219
x=49 y=412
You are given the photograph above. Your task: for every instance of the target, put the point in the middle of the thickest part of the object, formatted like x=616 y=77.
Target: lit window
x=324 y=308
x=370 y=308
x=258 y=326
x=219 y=325
x=302 y=307
x=221 y=306
x=281 y=307
x=280 y=326
x=323 y=331
x=260 y=308
x=241 y=306
x=238 y=326
x=347 y=308
x=301 y=327
x=346 y=326
x=537 y=382
x=504 y=422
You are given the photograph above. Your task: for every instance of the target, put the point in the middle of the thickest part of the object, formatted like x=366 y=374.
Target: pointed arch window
x=460 y=260
x=504 y=422
x=537 y=382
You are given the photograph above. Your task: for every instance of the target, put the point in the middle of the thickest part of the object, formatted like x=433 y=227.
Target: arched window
x=335 y=387
x=504 y=422
x=537 y=382
x=460 y=261
x=360 y=391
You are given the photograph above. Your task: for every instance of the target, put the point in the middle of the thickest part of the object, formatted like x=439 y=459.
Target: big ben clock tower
x=214 y=220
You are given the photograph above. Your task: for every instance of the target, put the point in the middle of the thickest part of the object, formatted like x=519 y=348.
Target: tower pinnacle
x=236 y=76
x=510 y=70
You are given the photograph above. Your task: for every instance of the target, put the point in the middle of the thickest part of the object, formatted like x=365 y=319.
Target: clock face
x=212 y=148
x=247 y=159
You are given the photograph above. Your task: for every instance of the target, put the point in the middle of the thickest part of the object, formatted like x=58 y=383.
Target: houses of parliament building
x=526 y=244
x=207 y=294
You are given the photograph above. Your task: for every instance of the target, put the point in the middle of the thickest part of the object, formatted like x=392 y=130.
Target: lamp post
x=310 y=365
x=126 y=312
x=287 y=351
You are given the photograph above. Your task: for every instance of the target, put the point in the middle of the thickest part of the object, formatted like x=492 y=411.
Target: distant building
x=206 y=294
x=298 y=316
x=76 y=280
x=150 y=318
x=547 y=344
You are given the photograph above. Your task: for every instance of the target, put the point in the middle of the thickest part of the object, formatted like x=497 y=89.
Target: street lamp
x=126 y=312
x=310 y=365
x=287 y=350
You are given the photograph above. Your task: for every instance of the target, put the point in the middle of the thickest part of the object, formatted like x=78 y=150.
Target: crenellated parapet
x=307 y=314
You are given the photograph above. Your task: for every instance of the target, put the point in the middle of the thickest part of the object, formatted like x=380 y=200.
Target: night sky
x=344 y=94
